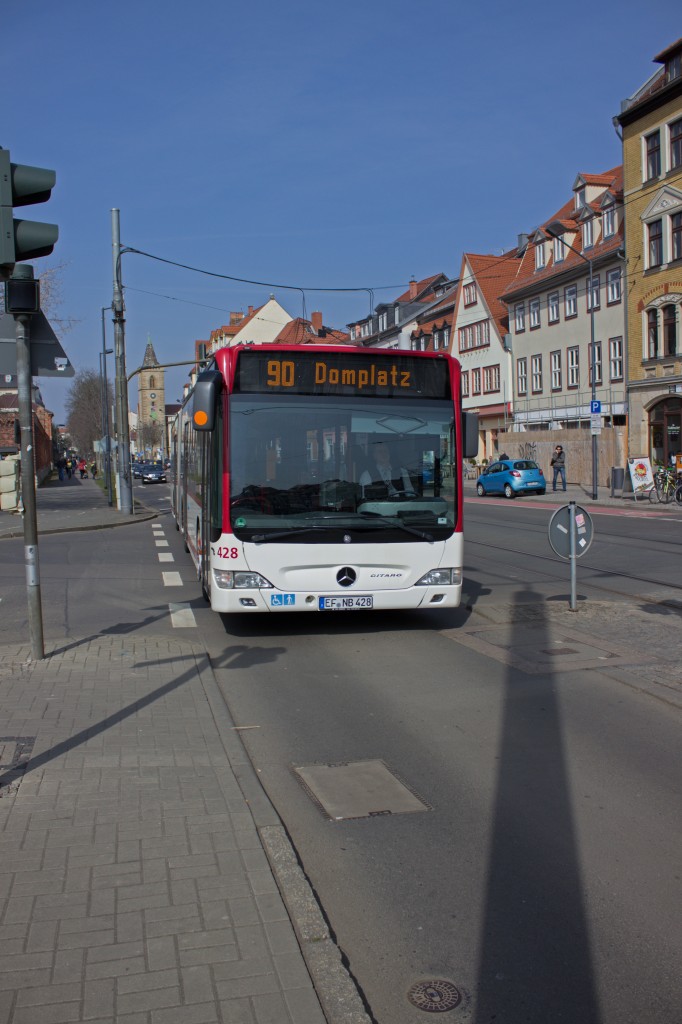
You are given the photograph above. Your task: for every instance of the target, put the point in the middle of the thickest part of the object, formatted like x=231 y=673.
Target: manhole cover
x=434 y=996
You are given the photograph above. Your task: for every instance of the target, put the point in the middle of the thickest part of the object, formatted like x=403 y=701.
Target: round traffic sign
x=560 y=527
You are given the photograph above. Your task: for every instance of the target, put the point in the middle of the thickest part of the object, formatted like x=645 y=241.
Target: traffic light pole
x=125 y=484
x=28 y=481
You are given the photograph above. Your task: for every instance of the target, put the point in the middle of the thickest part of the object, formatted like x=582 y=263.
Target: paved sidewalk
x=136 y=888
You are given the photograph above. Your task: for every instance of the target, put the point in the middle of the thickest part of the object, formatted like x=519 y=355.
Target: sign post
x=570 y=535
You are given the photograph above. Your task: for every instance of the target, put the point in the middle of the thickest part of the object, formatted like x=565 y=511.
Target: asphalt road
x=539 y=870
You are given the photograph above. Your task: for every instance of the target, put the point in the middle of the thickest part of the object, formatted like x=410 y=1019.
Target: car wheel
x=540 y=493
x=480 y=490
x=509 y=491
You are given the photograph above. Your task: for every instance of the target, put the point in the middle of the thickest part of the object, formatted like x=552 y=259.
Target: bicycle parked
x=665 y=487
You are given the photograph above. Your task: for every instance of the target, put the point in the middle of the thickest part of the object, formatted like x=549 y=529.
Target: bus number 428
x=228 y=552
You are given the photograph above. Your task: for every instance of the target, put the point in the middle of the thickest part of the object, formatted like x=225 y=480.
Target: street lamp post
x=593 y=357
x=106 y=429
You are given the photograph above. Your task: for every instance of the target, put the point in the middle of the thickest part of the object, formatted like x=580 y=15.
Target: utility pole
x=106 y=429
x=23 y=299
x=125 y=484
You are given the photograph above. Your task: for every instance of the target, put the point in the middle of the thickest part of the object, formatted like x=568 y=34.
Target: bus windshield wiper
x=261 y=538
x=375 y=517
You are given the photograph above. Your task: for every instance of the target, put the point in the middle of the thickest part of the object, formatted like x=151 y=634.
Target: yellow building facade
x=651 y=124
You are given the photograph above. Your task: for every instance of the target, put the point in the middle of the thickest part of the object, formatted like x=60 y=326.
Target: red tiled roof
x=421 y=286
x=300 y=332
x=494 y=274
x=529 y=275
x=10 y=402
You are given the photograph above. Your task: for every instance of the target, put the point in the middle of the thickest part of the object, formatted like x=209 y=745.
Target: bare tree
x=51 y=298
x=84 y=410
x=149 y=435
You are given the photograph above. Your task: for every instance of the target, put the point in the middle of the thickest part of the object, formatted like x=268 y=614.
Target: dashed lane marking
x=161 y=543
x=182 y=616
x=172 y=579
x=165 y=556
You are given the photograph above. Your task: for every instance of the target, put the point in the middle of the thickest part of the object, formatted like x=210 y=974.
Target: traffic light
x=21 y=185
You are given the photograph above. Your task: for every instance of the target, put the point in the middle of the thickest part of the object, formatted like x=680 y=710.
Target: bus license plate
x=345 y=604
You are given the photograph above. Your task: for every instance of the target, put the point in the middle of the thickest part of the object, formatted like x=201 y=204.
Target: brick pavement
x=135 y=886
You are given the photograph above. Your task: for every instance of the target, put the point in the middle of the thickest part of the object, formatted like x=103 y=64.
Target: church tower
x=151 y=404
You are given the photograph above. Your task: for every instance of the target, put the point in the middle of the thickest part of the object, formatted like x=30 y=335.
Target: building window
x=588 y=234
x=396 y=315
x=675 y=130
x=534 y=313
x=673 y=67
x=676 y=236
x=383 y=321
x=152 y=382
x=539 y=255
x=570 y=301
x=491 y=379
x=669 y=330
x=522 y=376
x=652 y=334
x=553 y=307
x=613 y=279
x=476 y=382
x=465 y=383
x=470 y=295
x=609 y=221
x=655 y=231
x=520 y=317
x=616 y=358
x=653 y=155
x=597 y=362
x=446 y=337
x=594 y=299
x=555 y=364
x=536 y=373
x=559 y=250
x=573 y=360
x=436 y=339
x=579 y=198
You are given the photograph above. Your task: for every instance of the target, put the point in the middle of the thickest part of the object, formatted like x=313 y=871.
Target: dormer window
x=588 y=234
x=580 y=198
x=609 y=221
x=470 y=295
x=539 y=255
x=673 y=67
x=559 y=250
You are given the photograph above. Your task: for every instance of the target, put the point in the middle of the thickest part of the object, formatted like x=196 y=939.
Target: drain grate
x=434 y=996
x=15 y=753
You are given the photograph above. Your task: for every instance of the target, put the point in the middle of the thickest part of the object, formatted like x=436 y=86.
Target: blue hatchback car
x=511 y=477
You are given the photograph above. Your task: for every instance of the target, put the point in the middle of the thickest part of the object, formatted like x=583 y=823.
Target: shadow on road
x=535 y=963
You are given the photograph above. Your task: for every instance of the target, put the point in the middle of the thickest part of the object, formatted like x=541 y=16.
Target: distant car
x=511 y=477
x=153 y=475
x=138 y=467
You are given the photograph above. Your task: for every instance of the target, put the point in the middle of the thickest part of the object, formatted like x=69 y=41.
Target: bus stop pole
x=571 y=552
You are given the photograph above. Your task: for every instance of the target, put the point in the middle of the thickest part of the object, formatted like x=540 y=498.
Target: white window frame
x=570 y=301
x=609 y=223
x=470 y=294
x=522 y=376
x=573 y=366
x=598 y=366
x=536 y=374
x=446 y=336
x=465 y=383
x=588 y=233
x=539 y=255
x=553 y=307
x=559 y=250
x=383 y=321
x=520 y=317
x=613 y=286
x=476 y=381
x=534 y=314
x=555 y=369
x=616 y=358
x=593 y=299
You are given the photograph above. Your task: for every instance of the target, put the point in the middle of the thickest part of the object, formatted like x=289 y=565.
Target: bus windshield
x=318 y=470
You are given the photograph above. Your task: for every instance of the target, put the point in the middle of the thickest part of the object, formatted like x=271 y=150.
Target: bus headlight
x=226 y=579
x=440 y=578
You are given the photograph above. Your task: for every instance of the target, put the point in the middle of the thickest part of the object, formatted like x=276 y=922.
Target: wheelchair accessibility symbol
x=280 y=600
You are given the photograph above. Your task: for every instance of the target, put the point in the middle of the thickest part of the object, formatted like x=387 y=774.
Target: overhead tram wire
x=261 y=284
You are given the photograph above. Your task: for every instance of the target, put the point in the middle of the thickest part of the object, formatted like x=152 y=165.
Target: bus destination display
x=342 y=373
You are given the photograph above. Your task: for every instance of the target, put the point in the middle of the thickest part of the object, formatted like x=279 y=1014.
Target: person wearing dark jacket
x=558 y=464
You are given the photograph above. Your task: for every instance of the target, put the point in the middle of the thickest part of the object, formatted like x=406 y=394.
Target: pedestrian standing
x=558 y=464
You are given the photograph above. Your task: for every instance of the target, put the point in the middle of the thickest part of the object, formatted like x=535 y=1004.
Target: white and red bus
x=282 y=497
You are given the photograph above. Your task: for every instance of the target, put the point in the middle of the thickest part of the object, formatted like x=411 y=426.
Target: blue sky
x=305 y=143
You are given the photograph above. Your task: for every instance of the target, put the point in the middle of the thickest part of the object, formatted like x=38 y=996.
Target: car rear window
x=525 y=464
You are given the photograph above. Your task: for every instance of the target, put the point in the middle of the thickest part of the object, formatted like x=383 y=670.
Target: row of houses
x=584 y=307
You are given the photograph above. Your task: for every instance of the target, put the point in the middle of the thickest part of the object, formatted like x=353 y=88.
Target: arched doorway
x=665 y=423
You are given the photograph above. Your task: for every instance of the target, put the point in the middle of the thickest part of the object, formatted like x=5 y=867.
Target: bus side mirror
x=469 y=435
x=204 y=398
